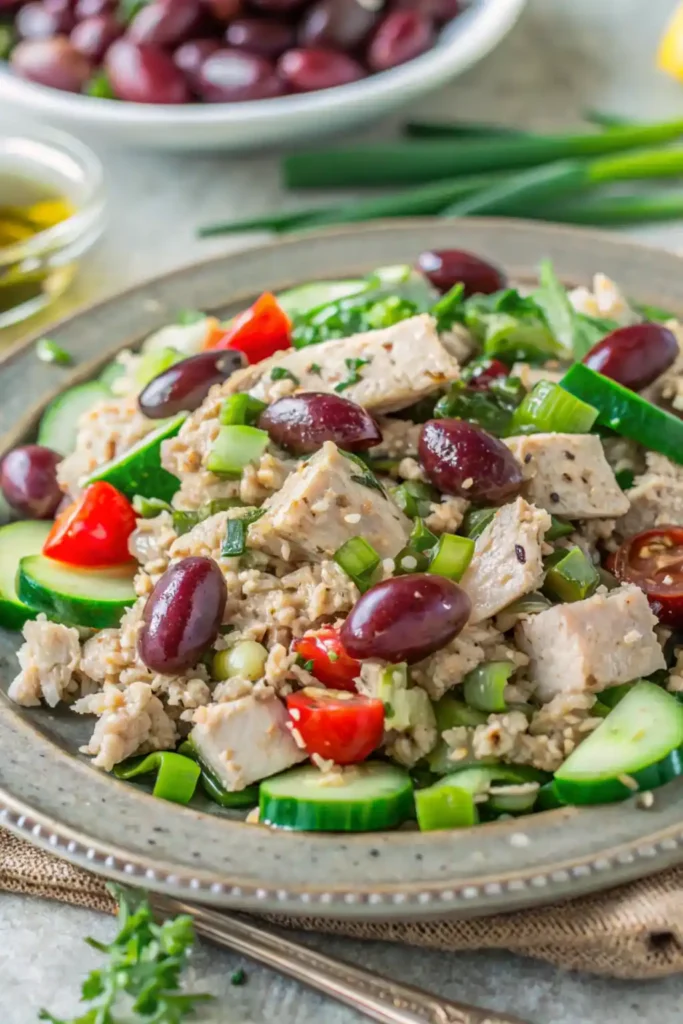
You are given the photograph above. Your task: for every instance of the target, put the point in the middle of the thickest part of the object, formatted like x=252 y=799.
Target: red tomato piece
x=326 y=659
x=484 y=373
x=94 y=530
x=653 y=560
x=343 y=727
x=259 y=332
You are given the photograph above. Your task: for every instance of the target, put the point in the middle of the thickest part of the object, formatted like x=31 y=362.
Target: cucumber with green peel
x=452 y=801
x=451 y=713
x=213 y=788
x=371 y=797
x=234 y=448
x=639 y=746
x=59 y=424
x=305 y=297
x=484 y=686
x=17 y=541
x=139 y=470
x=93 y=598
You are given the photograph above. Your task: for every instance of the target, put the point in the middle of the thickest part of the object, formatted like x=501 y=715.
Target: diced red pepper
x=343 y=727
x=94 y=530
x=259 y=332
x=325 y=658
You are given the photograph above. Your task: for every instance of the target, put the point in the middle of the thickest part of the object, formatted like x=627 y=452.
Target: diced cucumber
x=59 y=425
x=371 y=797
x=484 y=686
x=318 y=293
x=548 y=800
x=110 y=373
x=513 y=798
x=17 y=541
x=96 y=598
x=626 y=412
x=638 y=746
x=234 y=448
x=451 y=713
x=452 y=801
x=212 y=786
x=139 y=470
x=571 y=576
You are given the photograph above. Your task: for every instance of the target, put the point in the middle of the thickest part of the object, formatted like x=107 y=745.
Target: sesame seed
x=409 y=562
x=519 y=839
x=352 y=517
x=466 y=484
x=646 y=800
x=388 y=565
x=295 y=714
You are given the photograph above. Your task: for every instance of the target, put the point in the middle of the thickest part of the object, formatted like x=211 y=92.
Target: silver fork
x=379 y=998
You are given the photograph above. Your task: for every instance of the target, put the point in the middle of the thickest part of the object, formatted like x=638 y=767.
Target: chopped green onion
x=421 y=537
x=282 y=373
x=353 y=365
x=451 y=556
x=475 y=521
x=461 y=130
x=414 y=497
x=149 y=508
x=240 y=409
x=571 y=576
x=176 y=779
x=445 y=805
x=359 y=560
x=513 y=798
x=613 y=694
x=100 y=87
x=367 y=478
x=49 y=351
x=235 y=543
x=185 y=520
x=545 y=410
x=479 y=407
x=548 y=799
x=246 y=659
x=558 y=528
x=213 y=788
x=607 y=120
x=608 y=210
x=625 y=478
x=272 y=222
x=484 y=687
x=235 y=447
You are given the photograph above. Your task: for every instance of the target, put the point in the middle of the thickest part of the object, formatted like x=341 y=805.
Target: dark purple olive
x=440 y=10
x=28 y=479
x=93 y=36
x=144 y=74
x=406 y=618
x=447 y=267
x=190 y=56
x=184 y=386
x=230 y=76
x=93 y=8
x=37 y=21
x=278 y=6
x=266 y=37
x=164 y=22
x=182 y=616
x=634 y=356
x=302 y=423
x=462 y=459
x=313 y=69
x=224 y=10
x=399 y=37
x=340 y=24
x=53 y=62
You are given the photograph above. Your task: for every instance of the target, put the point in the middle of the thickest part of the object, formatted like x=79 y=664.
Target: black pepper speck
x=520 y=553
x=554 y=496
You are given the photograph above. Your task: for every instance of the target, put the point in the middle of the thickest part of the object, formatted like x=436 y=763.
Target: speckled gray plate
x=49 y=793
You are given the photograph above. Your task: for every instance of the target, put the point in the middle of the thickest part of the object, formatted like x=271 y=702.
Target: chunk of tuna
x=507 y=561
x=245 y=740
x=324 y=503
x=568 y=475
x=591 y=645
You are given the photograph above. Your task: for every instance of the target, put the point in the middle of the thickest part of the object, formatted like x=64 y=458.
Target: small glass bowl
x=37 y=270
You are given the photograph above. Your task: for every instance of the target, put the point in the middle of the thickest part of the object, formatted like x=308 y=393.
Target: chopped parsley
x=238 y=977
x=315 y=369
x=367 y=477
x=150 y=508
x=281 y=373
x=353 y=366
x=235 y=542
x=49 y=351
x=305 y=663
x=388 y=709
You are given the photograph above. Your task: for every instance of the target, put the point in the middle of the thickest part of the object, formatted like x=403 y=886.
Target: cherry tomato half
x=484 y=372
x=94 y=530
x=259 y=332
x=326 y=659
x=341 y=726
x=653 y=560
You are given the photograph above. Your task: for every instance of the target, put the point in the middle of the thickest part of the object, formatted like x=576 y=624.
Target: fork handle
x=379 y=998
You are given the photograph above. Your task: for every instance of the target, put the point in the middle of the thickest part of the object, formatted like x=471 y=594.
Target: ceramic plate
x=52 y=796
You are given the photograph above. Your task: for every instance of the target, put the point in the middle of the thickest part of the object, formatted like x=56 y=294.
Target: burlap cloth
x=635 y=931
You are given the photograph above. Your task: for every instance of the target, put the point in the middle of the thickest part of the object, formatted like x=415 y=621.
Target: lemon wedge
x=670 y=53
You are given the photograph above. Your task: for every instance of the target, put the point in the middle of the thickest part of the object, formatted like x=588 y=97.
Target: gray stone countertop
x=564 y=55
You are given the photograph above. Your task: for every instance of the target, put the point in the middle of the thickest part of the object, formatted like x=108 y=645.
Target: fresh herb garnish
x=305 y=663
x=449 y=310
x=281 y=373
x=99 y=86
x=235 y=542
x=354 y=377
x=187 y=317
x=576 y=332
x=491 y=409
x=144 y=966
x=185 y=520
x=49 y=351
x=367 y=477
x=388 y=709
x=241 y=409
x=238 y=977
x=316 y=369
x=149 y=508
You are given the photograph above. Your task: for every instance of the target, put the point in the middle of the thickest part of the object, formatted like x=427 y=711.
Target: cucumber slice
x=17 y=541
x=139 y=470
x=372 y=796
x=318 y=293
x=96 y=598
x=452 y=802
x=638 y=746
x=59 y=425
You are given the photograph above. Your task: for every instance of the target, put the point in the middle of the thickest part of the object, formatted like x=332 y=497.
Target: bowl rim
x=469 y=36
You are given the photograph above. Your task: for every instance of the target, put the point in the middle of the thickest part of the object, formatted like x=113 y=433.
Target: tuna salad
x=402 y=549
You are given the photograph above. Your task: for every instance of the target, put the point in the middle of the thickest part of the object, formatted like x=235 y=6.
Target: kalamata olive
x=653 y=561
x=182 y=616
x=440 y=10
x=53 y=62
x=278 y=6
x=164 y=22
x=229 y=76
x=399 y=37
x=302 y=423
x=446 y=267
x=462 y=459
x=313 y=69
x=190 y=56
x=28 y=479
x=635 y=355
x=92 y=8
x=144 y=74
x=185 y=385
x=93 y=36
x=224 y=10
x=266 y=37
x=405 y=618
x=37 y=21
x=341 y=24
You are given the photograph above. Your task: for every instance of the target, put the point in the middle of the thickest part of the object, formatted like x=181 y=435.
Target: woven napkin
x=635 y=931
